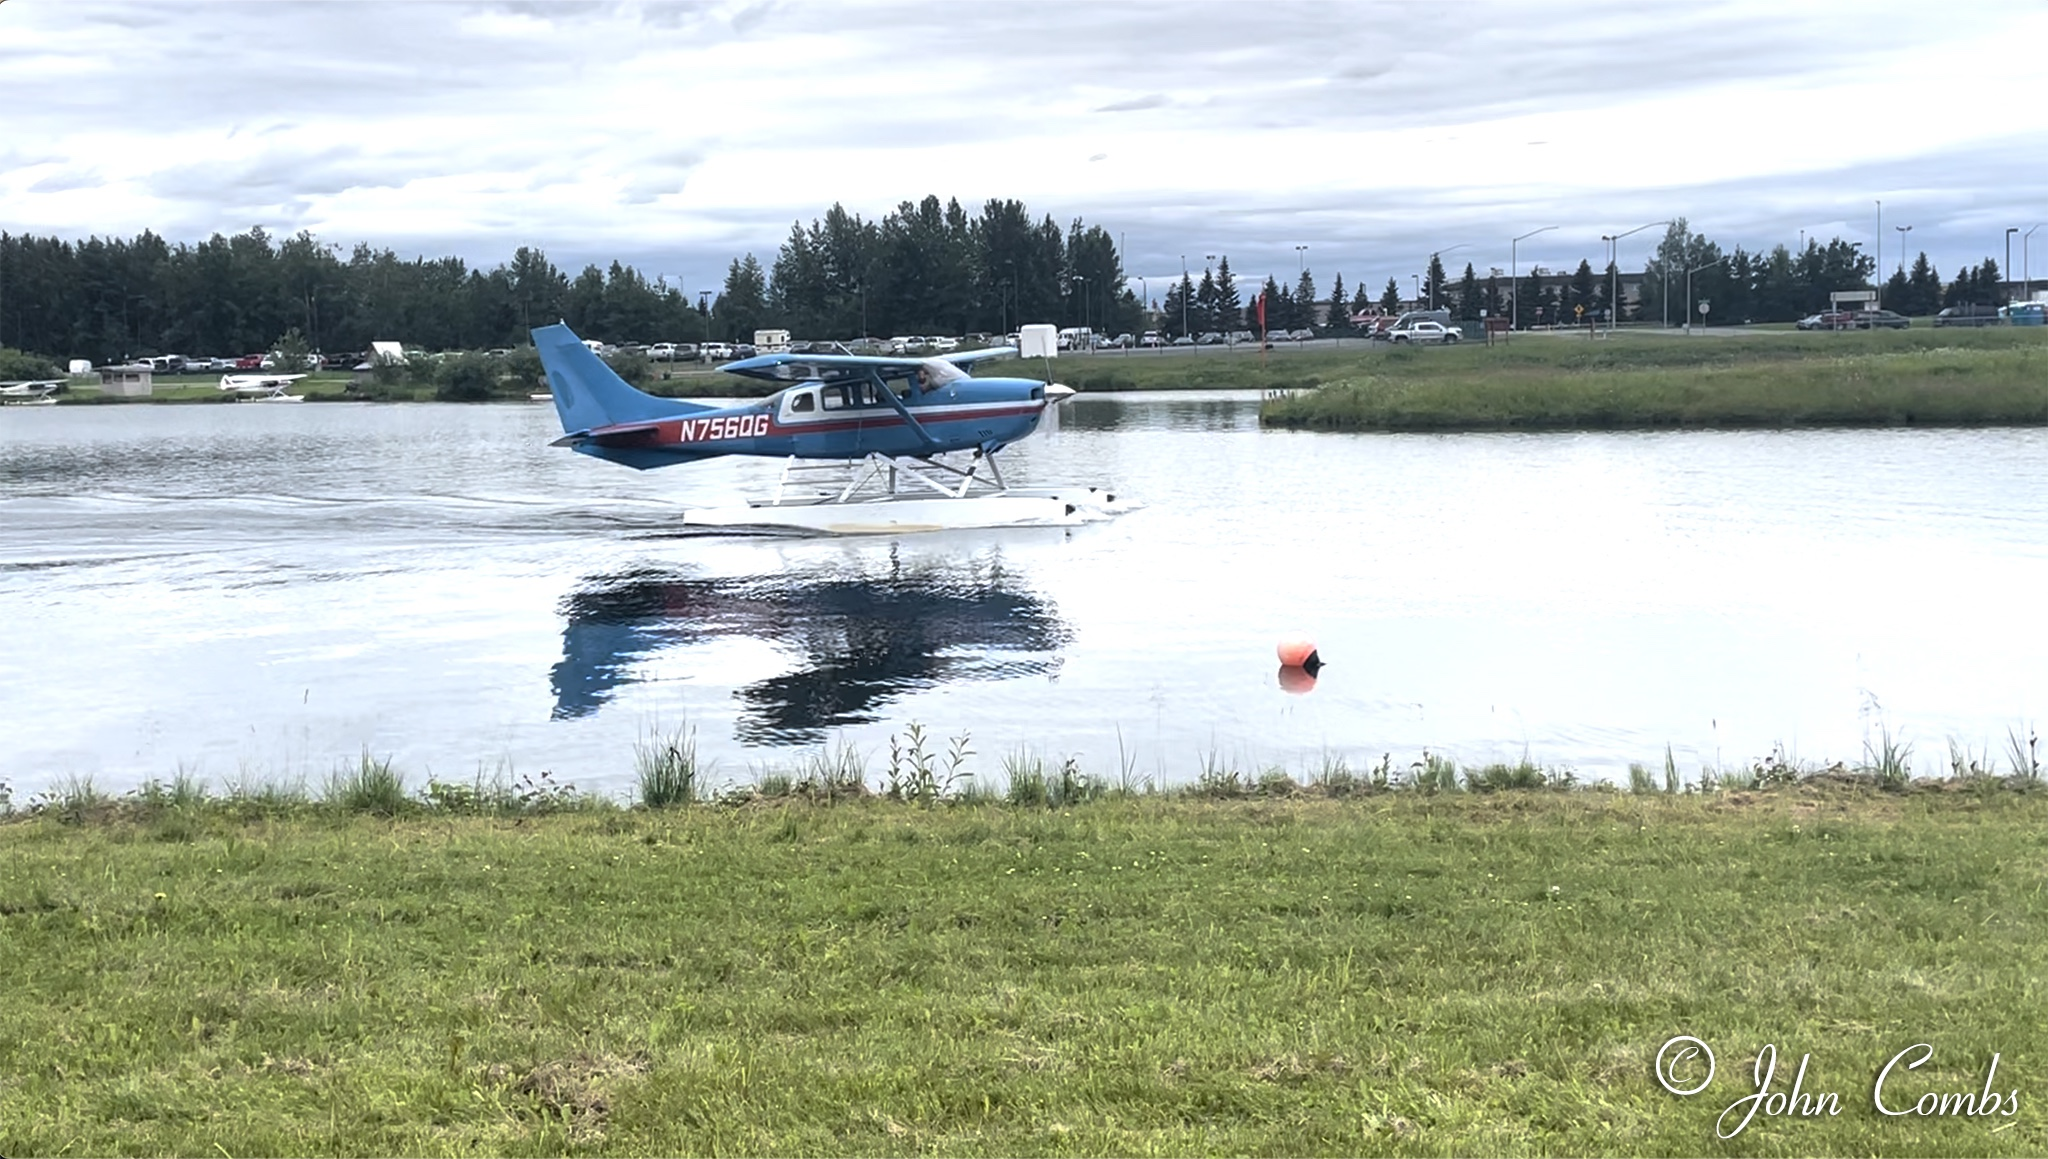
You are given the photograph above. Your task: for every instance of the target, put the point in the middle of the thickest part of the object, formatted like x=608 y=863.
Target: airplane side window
x=835 y=397
x=867 y=394
x=803 y=403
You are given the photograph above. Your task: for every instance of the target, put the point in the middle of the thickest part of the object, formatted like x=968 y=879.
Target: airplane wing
x=834 y=367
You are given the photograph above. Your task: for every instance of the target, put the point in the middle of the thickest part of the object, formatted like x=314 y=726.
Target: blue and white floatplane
x=873 y=444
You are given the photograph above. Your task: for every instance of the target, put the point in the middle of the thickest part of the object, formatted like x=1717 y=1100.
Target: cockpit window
x=803 y=402
x=937 y=372
x=835 y=397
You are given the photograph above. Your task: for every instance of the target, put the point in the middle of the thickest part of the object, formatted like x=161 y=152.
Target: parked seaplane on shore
x=41 y=392
x=914 y=440
x=261 y=387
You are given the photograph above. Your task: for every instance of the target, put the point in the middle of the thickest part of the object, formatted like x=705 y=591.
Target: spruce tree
x=1337 y=320
x=1923 y=286
x=1228 y=305
x=1304 y=301
x=1206 y=312
x=1390 y=298
x=1468 y=295
x=1434 y=291
x=1580 y=306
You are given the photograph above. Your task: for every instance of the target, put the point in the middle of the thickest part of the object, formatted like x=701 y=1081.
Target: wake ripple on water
x=94 y=523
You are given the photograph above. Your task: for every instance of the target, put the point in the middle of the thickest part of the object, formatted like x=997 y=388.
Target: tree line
x=924 y=268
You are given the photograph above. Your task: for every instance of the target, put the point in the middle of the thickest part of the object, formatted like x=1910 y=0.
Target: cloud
x=690 y=133
x=68 y=179
x=1136 y=104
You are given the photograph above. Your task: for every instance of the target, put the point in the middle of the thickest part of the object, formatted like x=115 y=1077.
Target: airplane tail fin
x=588 y=394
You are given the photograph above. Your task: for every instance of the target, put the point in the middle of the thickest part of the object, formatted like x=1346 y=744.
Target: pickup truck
x=1418 y=332
x=1968 y=314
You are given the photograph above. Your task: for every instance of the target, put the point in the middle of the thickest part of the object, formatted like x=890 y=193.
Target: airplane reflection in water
x=860 y=640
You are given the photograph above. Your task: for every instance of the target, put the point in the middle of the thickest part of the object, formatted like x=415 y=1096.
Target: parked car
x=1880 y=319
x=1969 y=314
x=716 y=351
x=1828 y=320
x=662 y=352
x=1210 y=338
x=1435 y=333
x=1184 y=340
x=1303 y=335
x=1152 y=338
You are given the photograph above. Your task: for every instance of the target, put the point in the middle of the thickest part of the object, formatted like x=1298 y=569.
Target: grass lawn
x=1389 y=973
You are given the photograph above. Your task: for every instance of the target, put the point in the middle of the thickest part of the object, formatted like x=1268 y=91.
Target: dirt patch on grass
x=1297 y=1068
x=577 y=1091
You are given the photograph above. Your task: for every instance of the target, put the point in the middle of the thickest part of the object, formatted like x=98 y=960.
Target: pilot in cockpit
x=921 y=381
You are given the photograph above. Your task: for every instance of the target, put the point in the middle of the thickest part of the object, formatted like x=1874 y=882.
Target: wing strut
x=916 y=427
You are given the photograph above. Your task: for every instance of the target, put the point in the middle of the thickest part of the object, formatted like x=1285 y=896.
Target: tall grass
x=1888 y=759
x=669 y=775
x=2025 y=757
x=1029 y=783
x=667 y=769
x=371 y=786
x=1767 y=381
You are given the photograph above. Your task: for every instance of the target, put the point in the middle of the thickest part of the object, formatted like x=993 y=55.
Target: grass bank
x=1384 y=972
x=1641 y=381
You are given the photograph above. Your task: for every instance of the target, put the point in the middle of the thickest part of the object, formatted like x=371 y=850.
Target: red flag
x=1261 y=300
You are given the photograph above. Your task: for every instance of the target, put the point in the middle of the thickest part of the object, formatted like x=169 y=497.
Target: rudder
x=589 y=394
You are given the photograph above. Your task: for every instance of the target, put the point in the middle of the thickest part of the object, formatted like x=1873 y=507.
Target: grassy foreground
x=1639 y=381
x=1389 y=973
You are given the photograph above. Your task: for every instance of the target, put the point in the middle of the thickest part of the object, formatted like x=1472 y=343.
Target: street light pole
x=1417 y=279
x=1614 y=270
x=1184 y=288
x=2006 y=273
x=2027 y=294
x=1903 y=230
x=1514 y=277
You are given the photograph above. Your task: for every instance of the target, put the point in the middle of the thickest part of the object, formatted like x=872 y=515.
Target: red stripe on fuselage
x=878 y=418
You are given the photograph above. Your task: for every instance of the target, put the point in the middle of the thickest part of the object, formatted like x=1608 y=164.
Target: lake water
x=262 y=591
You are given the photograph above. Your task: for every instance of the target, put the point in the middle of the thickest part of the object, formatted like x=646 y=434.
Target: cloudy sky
x=676 y=137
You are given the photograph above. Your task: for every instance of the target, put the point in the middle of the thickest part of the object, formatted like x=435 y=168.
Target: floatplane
x=261 y=387
x=41 y=392
x=903 y=444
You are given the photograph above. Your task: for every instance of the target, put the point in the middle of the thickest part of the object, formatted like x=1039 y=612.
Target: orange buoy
x=1300 y=652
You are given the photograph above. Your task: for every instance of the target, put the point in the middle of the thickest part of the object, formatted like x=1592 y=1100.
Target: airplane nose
x=1057 y=394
